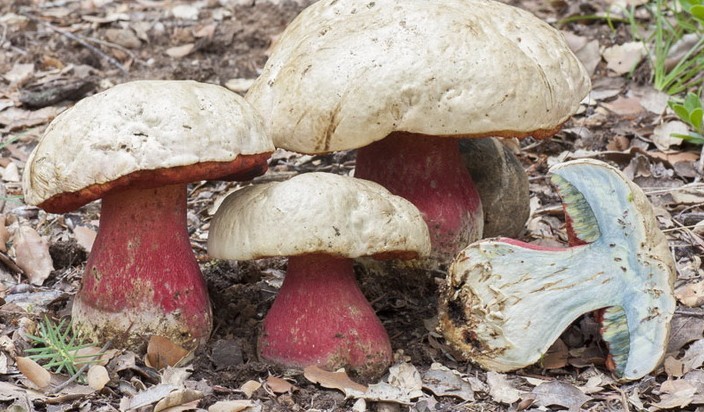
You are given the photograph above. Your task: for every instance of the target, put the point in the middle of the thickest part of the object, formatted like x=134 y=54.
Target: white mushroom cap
x=137 y=126
x=347 y=73
x=316 y=213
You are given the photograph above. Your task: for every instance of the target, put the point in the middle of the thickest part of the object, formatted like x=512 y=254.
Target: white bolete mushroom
x=321 y=221
x=402 y=80
x=136 y=146
x=506 y=301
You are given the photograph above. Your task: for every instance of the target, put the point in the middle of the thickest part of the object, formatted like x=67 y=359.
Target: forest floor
x=52 y=53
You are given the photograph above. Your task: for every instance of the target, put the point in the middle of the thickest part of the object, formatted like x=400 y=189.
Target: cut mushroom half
x=506 y=301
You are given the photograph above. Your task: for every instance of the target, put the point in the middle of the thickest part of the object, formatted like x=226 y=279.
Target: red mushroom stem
x=141 y=277
x=429 y=172
x=320 y=317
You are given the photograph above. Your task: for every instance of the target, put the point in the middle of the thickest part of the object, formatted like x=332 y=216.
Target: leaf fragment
x=33 y=371
x=32 y=255
x=161 y=352
x=333 y=380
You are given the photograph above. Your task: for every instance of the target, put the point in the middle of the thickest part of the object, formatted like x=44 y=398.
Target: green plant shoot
x=691 y=112
x=56 y=348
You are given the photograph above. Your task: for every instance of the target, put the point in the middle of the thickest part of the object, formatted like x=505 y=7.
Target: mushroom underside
x=506 y=301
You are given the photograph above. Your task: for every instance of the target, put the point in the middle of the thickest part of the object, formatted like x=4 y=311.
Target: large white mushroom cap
x=316 y=213
x=137 y=126
x=346 y=73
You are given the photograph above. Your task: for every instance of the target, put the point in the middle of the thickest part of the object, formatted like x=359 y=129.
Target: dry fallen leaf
x=655 y=101
x=561 y=394
x=691 y=294
x=586 y=50
x=556 y=356
x=161 y=352
x=443 y=381
x=181 y=51
x=332 y=380
x=622 y=58
x=16 y=118
x=97 y=377
x=500 y=389
x=673 y=367
x=32 y=255
x=33 y=371
x=694 y=356
x=4 y=234
x=231 y=406
x=85 y=237
x=10 y=392
x=595 y=384
x=675 y=394
x=662 y=134
x=146 y=397
x=624 y=106
x=684 y=329
x=278 y=385
x=94 y=351
x=249 y=387
x=185 y=11
x=175 y=376
x=11 y=173
x=178 y=398
x=406 y=377
x=19 y=73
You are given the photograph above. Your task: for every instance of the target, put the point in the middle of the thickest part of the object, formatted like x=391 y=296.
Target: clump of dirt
x=67 y=254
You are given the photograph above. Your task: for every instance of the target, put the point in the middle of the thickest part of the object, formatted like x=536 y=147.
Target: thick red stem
x=429 y=172
x=141 y=277
x=320 y=317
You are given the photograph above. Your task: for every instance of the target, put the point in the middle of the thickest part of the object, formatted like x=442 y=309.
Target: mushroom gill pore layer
x=507 y=301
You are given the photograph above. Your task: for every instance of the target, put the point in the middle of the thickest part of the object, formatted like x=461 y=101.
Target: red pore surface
x=320 y=317
x=428 y=171
x=244 y=167
x=142 y=271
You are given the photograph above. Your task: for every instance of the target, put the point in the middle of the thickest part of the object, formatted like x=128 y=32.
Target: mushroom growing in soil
x=136 y=146
x=403 y=80
x=506 y=301
x=502 y=184
x=321 y=221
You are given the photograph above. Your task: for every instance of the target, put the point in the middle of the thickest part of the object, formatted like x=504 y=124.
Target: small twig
x=79 y=40
x=689 y=312
x=675 y=229
x=113 y=45
x=624 y=399
x=78 y=373
x=656 y=191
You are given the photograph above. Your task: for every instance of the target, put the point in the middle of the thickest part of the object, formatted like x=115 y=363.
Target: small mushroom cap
x=138 y=126
x=346 y=73
x=317 y=213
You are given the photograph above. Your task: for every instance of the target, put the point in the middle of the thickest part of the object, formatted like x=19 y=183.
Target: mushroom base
x=429 y=172
x=320 y=317
x=141 y=277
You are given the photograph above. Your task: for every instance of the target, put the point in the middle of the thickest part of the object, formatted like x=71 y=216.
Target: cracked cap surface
x=138 y=126
x=347 y=73
x=316 y=213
